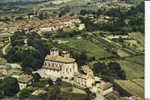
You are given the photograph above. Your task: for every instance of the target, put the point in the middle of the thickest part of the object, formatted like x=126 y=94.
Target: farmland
x=133 y=87
x=90 y=48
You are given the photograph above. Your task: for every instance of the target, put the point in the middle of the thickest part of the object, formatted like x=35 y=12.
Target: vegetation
x=56 y=93
x=8 y=87
x=64 y=11
x=134 y=72
x=117 y=22
x=31 y=54
x=133 y=88
x=36 y=77
x=111 y=70
x=84 y=45
x=24 y=94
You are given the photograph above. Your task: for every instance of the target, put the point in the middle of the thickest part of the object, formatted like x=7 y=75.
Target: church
x=62 y=66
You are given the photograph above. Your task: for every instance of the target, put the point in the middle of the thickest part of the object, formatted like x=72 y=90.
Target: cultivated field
x=134 y=87
x=84 y=45
x=133 y=67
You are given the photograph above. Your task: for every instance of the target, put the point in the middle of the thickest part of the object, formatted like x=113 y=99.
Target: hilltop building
x=64 y=67
x=59 y=66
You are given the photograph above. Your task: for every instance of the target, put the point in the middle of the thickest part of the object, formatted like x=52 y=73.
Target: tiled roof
x=60 y=59
x=25 y=78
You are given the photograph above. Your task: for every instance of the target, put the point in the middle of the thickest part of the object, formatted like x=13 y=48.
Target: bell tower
x=54 y=52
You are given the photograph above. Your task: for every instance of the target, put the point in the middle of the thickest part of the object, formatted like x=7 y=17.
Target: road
x=4 y=49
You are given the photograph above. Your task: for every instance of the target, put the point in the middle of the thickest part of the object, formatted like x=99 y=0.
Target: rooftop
x=83 y=76
x=86 y=69
x=25 y=78
x=60 y=59
x=104 y=86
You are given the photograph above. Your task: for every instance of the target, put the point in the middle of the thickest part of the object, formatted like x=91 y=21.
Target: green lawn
x=85 y=45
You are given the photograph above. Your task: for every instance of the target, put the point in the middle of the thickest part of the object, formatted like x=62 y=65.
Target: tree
x=1 y=94
x=115 y=68
x=83 y=12
x=83 y=58
x=10 y=86
x=99 y=68
x=53 y=93
x=64 y=10
x=36 y=77
x=1 y=89
x=32 y=55
x=24 y=94
x=58 y=81
x=50 y=82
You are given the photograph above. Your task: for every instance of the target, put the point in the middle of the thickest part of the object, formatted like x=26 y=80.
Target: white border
x=147 y=50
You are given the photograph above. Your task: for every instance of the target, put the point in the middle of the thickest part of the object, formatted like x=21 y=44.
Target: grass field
x=136 y=59
x=133 y=67
x=132 y=86
x=84 y=45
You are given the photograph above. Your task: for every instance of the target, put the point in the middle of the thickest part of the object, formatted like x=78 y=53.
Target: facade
x=58 y=66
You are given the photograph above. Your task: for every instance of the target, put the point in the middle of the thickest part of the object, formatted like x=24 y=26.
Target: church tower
x=54 y=52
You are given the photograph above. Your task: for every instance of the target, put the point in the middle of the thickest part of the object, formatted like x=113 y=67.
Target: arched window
x=70 y=69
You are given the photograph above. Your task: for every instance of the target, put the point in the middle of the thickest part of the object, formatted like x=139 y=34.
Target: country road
x=4 y=49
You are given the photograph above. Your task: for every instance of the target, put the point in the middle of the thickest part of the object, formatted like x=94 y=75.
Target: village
x=33 y=24
x=72 y=50
x=61 y=66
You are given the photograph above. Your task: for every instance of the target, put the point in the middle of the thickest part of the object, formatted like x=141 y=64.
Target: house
x=24 y=80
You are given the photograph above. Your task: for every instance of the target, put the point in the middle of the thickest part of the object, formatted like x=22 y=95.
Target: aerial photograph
x=72 y=50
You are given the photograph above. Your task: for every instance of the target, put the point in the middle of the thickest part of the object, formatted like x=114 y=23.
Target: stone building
x=58 y=66
x=64 y=67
